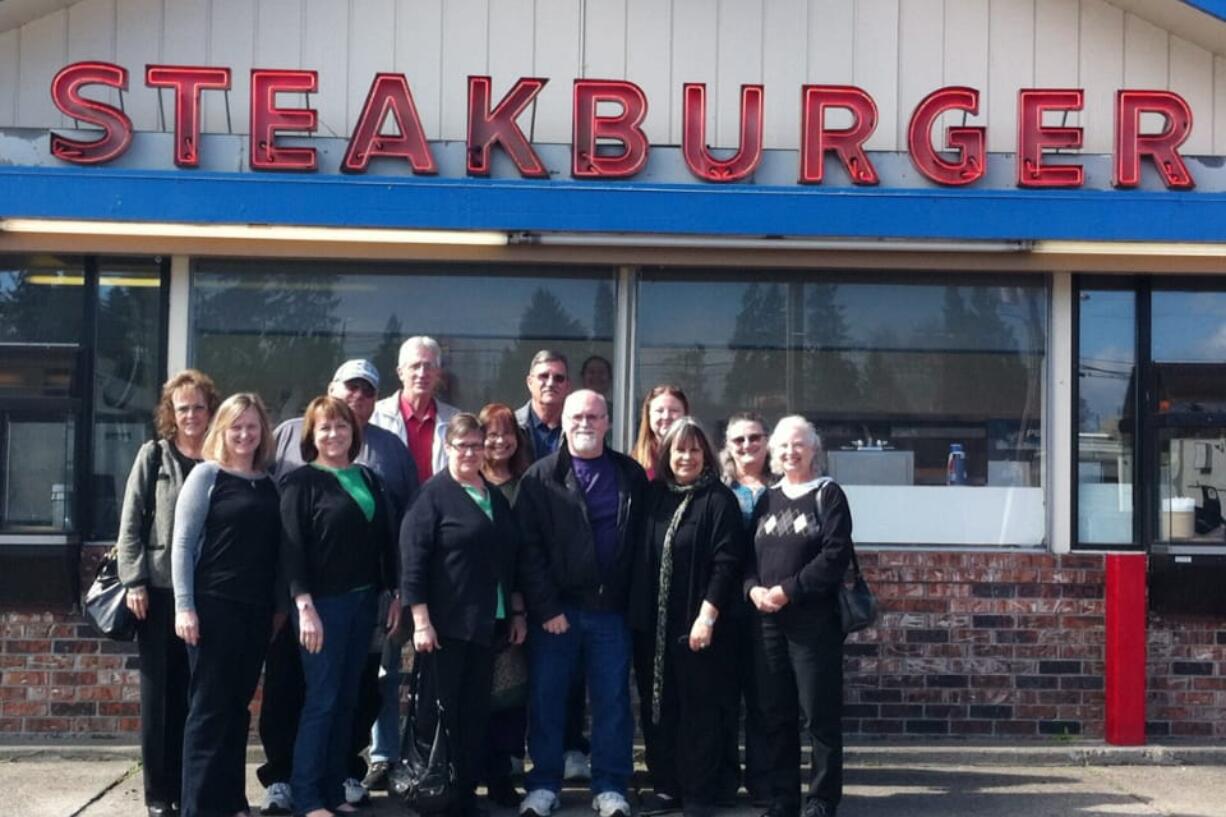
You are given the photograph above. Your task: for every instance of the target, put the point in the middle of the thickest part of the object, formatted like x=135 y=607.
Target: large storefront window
x=281 y=328
x=896 y=370
x=1106 y=414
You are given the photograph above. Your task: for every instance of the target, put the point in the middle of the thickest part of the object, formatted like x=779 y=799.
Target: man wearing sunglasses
x=541 y=417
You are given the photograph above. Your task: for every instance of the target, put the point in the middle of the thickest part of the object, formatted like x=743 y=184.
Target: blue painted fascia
x=1214 y=8
x=604 y=207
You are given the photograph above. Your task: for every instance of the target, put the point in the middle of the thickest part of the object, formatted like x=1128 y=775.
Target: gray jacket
x=387 y=416
x=148 y=563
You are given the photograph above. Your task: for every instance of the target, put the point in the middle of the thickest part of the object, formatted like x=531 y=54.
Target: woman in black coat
x=458 y=546
x=687 y=573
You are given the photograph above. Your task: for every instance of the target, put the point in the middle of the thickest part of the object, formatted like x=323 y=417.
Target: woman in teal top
x=337 y=552
x=458 y=544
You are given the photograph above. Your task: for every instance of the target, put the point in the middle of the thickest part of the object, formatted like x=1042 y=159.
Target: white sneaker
x=277 y=800
x=355 y=792
x=576 y=766
x=610 y=804
x=539 y=803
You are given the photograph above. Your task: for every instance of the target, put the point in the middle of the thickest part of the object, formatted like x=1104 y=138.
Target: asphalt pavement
x=910 y=780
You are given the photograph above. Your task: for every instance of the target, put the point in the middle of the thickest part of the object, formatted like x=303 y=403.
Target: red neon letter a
x=389 y=93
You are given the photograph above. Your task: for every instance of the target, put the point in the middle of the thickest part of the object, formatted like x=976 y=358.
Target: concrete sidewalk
x=913 y=780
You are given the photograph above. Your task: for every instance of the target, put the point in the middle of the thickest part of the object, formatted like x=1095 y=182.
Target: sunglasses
x=748 y=439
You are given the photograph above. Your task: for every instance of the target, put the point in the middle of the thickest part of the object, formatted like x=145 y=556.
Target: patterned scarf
x=666 y=577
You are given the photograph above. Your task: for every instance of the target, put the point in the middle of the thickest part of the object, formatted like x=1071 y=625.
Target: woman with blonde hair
x=181 y=419
x=224 y=563
x=662 y=406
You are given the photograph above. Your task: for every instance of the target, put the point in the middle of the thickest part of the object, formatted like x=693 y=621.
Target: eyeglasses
x=747 y=439
x=468 y=448
x=549 y=377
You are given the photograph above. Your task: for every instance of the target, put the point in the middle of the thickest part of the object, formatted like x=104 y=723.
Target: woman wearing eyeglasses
x=458 y=547
x=747 y=473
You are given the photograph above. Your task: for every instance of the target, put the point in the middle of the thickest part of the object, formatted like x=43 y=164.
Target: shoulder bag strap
x=151 y=487
x=822 y=483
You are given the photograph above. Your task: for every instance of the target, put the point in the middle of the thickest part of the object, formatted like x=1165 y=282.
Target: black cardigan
x=327 y=545
x=708 y=551
x=454 y=558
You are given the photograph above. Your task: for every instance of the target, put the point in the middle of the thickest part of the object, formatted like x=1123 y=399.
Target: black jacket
x=455 y=557
x=708 y=551
x=557 y=565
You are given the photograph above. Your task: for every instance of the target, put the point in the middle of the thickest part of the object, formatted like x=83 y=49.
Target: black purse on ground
x=105 y=605
x=857 y=604
x=425 y=777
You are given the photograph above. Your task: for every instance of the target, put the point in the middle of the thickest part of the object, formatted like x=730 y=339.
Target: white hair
x=784 y=429
x=421 y=342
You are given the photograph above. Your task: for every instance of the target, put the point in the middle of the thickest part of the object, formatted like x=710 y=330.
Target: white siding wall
x=898 y=50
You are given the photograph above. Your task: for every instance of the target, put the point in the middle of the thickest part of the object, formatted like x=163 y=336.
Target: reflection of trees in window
x=882 y=390
x=37 y=312
x=387 y=355
x=278 y=335
x=829 y=380
x=983 y=373
x=604 y=310
x=127 y=356
x=687 y=368
x=756 y=377
x=543 y=323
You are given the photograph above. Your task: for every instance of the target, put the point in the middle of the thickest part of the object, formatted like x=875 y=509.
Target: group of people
x=315 y=551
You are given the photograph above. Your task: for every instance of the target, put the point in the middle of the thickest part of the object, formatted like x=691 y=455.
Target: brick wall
x=979 y=644
x=974 y=644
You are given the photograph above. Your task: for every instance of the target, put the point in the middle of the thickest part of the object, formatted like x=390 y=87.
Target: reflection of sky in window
x=1107 y=340
x=1189 y=327
x=689 y=313
x=475 y=305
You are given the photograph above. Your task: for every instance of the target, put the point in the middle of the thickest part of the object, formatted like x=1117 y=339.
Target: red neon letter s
x=187 y=81
x=971 y=143
x=1131 y=144
x=694 y=135
x=847 y=143
x=1033 y=136
x=267 y=119
x=389 y=93
x=487 y=128
x=116 y=126
x=626 y=127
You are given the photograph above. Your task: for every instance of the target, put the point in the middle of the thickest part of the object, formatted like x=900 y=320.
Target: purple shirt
x=598 y=479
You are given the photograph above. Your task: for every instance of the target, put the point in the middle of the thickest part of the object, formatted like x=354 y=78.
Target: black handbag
x=425 y=777
x=509 y=684
x=857 y=605
x=105 y=606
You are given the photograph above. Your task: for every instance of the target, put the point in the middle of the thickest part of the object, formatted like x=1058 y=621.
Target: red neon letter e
x=116 y=126
x=1131 y=144
x=847 y=143
x=267 y=119
x=187 y=81
x=389 y=93
x=486 y=127
x=694 y=135
x=969 y=142
x=626 y=127
x=1032 y=137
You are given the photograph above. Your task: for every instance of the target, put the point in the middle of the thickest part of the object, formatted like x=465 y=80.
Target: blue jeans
x=325 y=727
x=598 y=645
x=385 y=734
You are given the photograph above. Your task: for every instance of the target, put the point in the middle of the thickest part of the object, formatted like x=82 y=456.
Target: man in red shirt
x=413 y=413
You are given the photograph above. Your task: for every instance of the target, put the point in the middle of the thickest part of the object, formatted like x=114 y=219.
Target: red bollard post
x=1125 y=649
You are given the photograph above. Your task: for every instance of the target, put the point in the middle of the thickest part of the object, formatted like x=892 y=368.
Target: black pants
x=163 y=699
x=284 y=689
x=685 y=748
x=799 y=662
x=756 y=777
x=370 y=701
x=225 y=670
x=574 y=739
x=460 y=675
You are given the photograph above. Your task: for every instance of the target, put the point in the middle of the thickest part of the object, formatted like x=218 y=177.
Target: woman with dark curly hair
x=181 y=418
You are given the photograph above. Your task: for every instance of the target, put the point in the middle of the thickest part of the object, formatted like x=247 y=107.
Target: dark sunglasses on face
x=546 y=377
x=747 y=439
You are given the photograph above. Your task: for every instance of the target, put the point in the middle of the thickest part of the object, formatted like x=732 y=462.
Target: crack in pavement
x=107 y=789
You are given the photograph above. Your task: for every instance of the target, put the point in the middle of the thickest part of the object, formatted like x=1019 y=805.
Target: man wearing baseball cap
x=357 y=383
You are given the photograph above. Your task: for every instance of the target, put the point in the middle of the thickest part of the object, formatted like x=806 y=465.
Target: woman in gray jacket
x=182 y=417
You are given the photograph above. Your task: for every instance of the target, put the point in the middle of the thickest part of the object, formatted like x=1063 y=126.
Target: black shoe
x=376 y=776
x=158 y=810
x=503 y=793
x=659 y=802
x=818 y=808
x=779 y=810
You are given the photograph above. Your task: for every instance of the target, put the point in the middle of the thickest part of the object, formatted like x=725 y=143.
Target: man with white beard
x=580 y=511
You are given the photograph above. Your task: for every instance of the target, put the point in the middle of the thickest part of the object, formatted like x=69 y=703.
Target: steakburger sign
x=960 y=159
